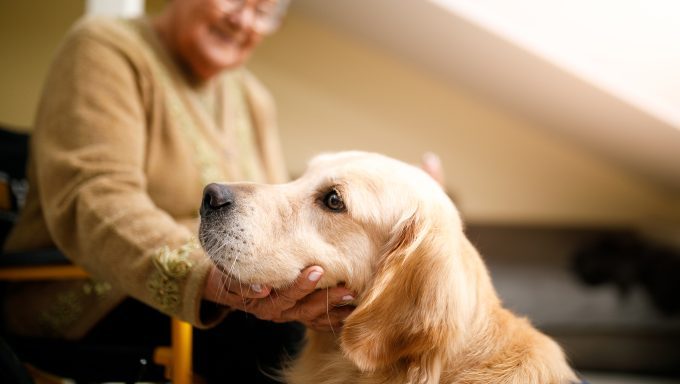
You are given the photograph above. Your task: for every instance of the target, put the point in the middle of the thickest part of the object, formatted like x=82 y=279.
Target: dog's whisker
x=270 y=296
x=225 y=284
x=243 y=299
x=231 y=272
x=328 y=313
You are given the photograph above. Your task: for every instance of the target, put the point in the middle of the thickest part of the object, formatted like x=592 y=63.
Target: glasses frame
x=263 y=23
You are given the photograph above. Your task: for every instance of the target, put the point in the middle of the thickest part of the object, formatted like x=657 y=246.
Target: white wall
x=337 y=93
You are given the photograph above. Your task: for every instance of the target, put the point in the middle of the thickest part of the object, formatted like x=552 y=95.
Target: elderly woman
x=136 y=117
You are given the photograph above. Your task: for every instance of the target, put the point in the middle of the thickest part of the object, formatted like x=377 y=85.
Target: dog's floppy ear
x=414 y=306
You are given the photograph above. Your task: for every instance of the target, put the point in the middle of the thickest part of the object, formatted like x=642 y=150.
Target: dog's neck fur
x=479 y=361
x=492 y=346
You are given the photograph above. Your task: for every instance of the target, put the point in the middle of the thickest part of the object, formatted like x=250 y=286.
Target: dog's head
x=384 y=228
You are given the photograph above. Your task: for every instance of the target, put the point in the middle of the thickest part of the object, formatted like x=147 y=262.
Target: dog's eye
x=333 y=201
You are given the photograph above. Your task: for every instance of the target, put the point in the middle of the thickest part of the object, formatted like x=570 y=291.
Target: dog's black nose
x=216 y=197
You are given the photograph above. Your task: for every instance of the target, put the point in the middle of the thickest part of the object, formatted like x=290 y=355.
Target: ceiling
x=501 y=53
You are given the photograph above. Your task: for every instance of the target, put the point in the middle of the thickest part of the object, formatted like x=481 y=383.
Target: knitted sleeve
x=89 y=151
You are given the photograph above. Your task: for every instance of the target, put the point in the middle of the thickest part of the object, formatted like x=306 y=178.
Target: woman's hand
x=432 y=164
x=321 y=310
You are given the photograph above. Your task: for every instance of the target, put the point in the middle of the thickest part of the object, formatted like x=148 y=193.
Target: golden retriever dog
x=426 y=311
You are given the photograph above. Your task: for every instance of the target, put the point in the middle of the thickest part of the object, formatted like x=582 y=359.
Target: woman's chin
x=215 y=63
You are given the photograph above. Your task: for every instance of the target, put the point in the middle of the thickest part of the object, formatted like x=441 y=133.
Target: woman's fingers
x=272 y=306
x=432 y=164
x=304 y=285
x=322 y=310
x=332 y=321
x=220 y=288
x=317 y=304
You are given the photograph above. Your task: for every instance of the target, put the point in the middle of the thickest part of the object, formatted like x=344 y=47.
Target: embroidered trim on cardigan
x=172 y=266
x=69 y=306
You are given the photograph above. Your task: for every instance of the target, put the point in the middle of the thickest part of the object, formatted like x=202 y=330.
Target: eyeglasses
x=267 y=14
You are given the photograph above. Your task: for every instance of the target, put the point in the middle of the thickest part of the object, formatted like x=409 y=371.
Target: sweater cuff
x=178 y=282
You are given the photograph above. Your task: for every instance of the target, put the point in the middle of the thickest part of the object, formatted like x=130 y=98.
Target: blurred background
x=558 y=124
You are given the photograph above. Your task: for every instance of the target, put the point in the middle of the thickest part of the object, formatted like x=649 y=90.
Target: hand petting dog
x=318 y=309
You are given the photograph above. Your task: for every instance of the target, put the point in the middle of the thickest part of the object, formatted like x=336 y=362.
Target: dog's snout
x=216 y=197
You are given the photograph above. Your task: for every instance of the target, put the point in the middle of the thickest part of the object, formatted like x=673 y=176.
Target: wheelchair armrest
x=42 y=257
x=45 y=264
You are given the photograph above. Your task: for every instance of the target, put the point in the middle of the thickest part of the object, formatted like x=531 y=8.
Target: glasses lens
x=269 y=14
x=228 y=6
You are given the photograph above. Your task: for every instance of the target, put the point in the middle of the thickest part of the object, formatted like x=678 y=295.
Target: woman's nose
x=243 y=17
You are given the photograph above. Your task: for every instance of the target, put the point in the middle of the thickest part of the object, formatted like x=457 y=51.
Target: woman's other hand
x=432 y=164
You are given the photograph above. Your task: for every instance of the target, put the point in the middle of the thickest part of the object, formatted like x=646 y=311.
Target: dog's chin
x=247 y=276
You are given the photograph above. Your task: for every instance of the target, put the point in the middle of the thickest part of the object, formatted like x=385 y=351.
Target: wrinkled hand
x=432 y=164
x=321 y=310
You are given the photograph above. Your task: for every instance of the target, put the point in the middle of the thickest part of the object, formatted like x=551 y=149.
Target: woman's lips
x=227 y=36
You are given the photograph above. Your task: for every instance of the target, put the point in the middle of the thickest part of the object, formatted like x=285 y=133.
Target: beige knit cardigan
x=123 y=145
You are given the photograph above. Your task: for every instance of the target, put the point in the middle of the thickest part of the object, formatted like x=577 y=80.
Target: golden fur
x=426 y=309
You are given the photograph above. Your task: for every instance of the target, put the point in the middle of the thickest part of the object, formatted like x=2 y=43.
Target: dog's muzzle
x=216 y=197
